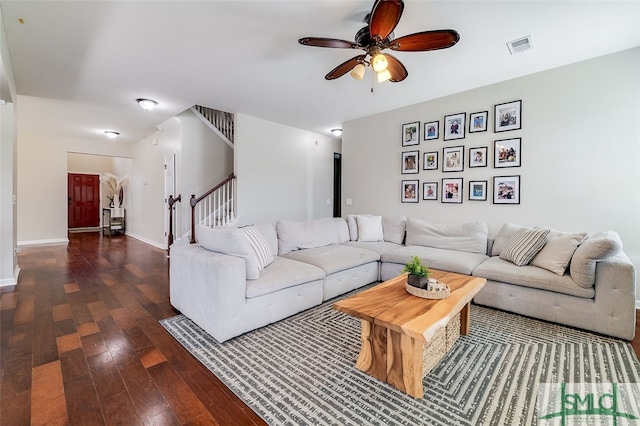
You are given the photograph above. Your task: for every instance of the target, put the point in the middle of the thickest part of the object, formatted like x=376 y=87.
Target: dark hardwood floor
x=80 y=342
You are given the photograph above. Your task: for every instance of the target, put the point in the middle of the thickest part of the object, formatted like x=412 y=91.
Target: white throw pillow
x=556 y=253
x=524 y=245
x=369 y=228
x=260 y=246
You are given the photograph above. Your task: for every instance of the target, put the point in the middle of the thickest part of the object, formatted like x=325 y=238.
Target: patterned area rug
x=300 y=371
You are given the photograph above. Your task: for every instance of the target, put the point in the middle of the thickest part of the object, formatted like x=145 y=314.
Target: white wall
x=8 y=261
x=205 y=159
x=42 y=171
x=580 y=152
x=283 y=172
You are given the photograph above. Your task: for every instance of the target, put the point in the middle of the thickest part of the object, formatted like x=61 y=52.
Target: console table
x=113 y=220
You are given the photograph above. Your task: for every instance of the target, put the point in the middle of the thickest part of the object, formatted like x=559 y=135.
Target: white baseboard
x=53 y=241
x=11 y=281
x=146 y=240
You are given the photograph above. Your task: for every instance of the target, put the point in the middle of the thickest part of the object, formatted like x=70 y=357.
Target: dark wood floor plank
x=83 y=406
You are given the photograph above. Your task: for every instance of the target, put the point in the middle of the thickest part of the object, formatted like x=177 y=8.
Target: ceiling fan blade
x=328 y=42
x=426 y=40
x=395 y=67
x=344 y=67
x=385 y=15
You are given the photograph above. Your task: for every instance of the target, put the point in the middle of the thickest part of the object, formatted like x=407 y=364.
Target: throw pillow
x=594 y=249
x=259 y=245
x=369 y=228
x=556 y=253
x=524 y=244
x=502 y=237
x=394 y=228
x=230 y=241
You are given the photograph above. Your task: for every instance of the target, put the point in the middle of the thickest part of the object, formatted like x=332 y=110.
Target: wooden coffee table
x=396 y=326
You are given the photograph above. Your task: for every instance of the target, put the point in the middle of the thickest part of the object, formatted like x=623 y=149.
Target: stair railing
x=171 y=201
x=216 y=207
x=220 y=121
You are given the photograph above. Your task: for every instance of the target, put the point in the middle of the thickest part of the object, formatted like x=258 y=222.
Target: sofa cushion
x=598 y=247
x=369 y=228
x=283 y=273
x=523 y=245
x=436 y=258
x=230 y=241
x=377 y=246
x=334 y=258
x=468 y=237
x=503 y=271
x=556 y=253
x=506 y=232
x=394 y=228
x=260 y=246
x=294 y=236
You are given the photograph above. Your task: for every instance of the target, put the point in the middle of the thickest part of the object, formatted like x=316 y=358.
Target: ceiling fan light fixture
x=111 y=134
x=384 y=76
x=358 y=72
x=146 y=104
x=379 y=62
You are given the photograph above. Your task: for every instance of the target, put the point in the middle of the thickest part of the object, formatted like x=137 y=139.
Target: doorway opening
x=337 y=184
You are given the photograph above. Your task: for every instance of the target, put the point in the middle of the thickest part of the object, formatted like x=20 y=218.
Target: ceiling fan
x=378 y=36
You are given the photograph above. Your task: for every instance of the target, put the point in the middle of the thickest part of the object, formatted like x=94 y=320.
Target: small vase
x=416 y=281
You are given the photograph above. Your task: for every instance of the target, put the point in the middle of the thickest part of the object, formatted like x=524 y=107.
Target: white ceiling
x=95 y=58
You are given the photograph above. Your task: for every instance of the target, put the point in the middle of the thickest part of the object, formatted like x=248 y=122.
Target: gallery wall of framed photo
x=464 y=140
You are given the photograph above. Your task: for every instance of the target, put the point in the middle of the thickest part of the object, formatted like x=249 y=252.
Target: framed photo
x=478 y=121
x=410 y=191
x=410 y=162
x=506 y=190
x=451 y=190
x=454 y=126
x=430 y=191
x=507 y=153
x=478 y=156
x=508 y=116
x=430 y=161
x=478 y=190
x=411 y=134
x=453 y=159
x=431 y=130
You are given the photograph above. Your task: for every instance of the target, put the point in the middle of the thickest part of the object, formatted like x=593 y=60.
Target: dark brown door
x=84 y=200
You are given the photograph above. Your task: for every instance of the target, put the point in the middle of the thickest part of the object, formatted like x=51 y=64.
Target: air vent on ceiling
x=520 y=45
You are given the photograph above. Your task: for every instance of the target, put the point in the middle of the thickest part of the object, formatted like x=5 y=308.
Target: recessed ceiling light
x=146 y=104
x=111 y=134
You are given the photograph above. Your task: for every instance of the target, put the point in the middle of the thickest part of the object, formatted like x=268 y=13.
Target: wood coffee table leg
x=373 y=351
x=465 y=319
x=404 y=363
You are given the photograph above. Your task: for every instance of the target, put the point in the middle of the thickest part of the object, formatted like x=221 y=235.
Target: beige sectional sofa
x=239 y=279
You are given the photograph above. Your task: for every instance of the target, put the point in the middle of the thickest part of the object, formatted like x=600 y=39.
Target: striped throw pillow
x=524 y=245
x=260 y=246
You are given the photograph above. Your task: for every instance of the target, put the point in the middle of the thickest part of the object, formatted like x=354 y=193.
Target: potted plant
x=418 y=273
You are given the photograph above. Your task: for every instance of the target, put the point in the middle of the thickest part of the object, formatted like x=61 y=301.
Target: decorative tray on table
x=435 y=290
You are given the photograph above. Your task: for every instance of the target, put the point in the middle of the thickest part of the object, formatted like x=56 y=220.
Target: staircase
x=221 y=122
x=216 y=207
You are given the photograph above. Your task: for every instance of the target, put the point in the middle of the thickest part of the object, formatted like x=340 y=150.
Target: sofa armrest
x=615 y=294
x=202 y=282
